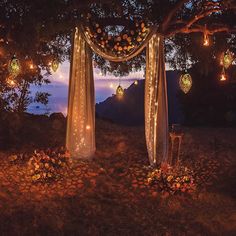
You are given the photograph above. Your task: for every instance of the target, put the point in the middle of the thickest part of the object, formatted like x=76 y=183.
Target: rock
x=57 y=116
x=57 y=124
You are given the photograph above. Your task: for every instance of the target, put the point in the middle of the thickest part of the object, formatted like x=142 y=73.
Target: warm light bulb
x=136 y=82
x=31 y=66
x=88 y=127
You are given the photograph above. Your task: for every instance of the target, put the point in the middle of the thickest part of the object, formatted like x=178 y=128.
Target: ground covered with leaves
x=46 y=192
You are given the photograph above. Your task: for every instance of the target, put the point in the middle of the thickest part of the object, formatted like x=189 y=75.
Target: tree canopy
x=40 y=31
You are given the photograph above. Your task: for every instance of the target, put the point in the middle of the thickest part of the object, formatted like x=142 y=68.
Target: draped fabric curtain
x=80 y=139
x=81 y=128
x=156 y=107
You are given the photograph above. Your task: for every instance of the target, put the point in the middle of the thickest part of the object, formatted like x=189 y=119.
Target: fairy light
x=136 y=82
x=31 y=66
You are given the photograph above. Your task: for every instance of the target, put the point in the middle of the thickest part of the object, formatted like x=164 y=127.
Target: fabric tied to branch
x=80 y=139
x=156 y=106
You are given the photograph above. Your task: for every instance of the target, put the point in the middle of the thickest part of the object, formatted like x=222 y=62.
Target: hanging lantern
x=11 y=82
x=223 y=76
x=185 y=83
x=206 y=40
x=14 y=67
x=119 y=91
x=227 y=59
x=55 y=65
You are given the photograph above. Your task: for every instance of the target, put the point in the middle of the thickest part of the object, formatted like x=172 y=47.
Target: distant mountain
x=129 y=110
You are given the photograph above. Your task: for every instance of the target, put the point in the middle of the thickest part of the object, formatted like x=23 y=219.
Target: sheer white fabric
x=80 y=139
x=81 y=116
x=156 y=107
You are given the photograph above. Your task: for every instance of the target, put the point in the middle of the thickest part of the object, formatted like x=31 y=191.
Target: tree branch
x=172 y=13
x=201 y=16
x=202 y=29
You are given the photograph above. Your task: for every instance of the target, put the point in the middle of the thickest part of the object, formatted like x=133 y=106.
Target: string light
x=136 y=82
x=31 y=66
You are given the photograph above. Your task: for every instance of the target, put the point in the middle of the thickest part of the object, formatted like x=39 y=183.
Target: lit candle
x=206 y=41
x=223 y=77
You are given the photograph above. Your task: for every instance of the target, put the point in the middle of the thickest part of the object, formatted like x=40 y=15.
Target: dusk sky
x=105 y=86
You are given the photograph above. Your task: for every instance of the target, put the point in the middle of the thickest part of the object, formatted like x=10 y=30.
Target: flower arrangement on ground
x=48 y=165
x=172 y=179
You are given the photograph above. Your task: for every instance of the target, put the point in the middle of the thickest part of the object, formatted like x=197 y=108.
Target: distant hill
x=130 y=109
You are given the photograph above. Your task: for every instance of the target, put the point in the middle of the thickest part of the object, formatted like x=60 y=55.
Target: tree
x=39 y=31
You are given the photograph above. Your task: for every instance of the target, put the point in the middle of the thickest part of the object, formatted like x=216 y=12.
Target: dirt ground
x=108 y=195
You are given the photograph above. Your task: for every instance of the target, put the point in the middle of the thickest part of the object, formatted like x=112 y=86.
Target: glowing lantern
x=223 y=76
x=55 y=65
x=31 y=66
x=14 y=67
x=185 y=83
x=206 y=40
x=119 y=91
x=11 y=82
x=227 y=59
